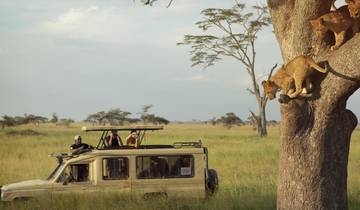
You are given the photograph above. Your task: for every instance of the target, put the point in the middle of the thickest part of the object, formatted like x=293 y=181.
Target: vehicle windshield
x=56 y=170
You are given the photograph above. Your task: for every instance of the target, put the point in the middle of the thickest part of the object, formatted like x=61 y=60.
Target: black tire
x=212 y=182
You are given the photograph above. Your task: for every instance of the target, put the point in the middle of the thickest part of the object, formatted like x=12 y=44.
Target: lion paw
x=332 y=48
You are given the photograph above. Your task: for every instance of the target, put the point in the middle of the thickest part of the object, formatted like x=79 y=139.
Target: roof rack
x=122 y=128
x=180 y=144
x=140 y=129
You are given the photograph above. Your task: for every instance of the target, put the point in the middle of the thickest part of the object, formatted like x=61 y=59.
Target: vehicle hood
x=25 y=184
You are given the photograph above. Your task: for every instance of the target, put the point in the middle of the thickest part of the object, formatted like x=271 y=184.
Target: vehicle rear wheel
x=212 y=182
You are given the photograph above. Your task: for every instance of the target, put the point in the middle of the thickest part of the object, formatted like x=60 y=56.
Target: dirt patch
x=27 y=132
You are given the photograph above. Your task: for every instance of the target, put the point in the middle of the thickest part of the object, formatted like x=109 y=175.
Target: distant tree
x=239 y=27
x=230 y=119
x=116 y=116
x=146 y=117
x=145 y=112
x=7 y=121
x=212 y=120
x=254 y=120
x=98 y=117
x=273 y=122
x=133 y=120
x=92 y=118
x=161 y=120
x=33 y=119
x=20 y=120
x=65 y=122
x=113 y=117
x=54 y=118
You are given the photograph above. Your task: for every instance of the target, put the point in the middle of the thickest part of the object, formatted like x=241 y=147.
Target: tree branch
x=251 y=91
x=218 y=24
x=346 y=59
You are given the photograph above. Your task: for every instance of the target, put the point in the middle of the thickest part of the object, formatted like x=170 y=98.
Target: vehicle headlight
x=4 y=194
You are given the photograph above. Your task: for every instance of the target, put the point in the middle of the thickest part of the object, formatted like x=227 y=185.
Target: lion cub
x=339 y=22
x=296 y=71
x=353 y=7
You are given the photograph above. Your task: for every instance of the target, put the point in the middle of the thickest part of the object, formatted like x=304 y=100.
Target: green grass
x=247 y=167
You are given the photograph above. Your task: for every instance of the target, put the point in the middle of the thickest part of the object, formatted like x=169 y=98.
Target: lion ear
x=263 y=83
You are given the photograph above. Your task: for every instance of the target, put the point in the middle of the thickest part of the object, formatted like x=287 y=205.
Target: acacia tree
x=315 y=133
x=145 y=112
x=117 y=116
x=238 y=29
x=230 y=119
x=54 y=118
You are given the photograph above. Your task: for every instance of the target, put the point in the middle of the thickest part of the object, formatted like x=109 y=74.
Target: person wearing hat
x=78 y=147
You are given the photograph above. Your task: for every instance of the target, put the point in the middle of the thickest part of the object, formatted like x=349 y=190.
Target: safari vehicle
x=180 y=169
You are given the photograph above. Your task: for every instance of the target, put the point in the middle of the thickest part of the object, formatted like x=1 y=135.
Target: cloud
x=199 y=78
x=126 y=24
x=90 y=23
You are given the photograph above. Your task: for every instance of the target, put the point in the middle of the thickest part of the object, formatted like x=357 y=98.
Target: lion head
x=270 y=89
x=354 y=8
x=319 y=26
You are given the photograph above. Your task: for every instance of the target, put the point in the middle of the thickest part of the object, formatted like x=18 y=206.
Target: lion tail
x=316 y=66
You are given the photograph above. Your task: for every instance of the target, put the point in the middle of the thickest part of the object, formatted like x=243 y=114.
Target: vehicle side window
x=115 y=168
x=75 y=173
x=157 y=167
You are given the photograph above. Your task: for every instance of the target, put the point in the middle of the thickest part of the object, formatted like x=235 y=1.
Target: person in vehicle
x=79 y=147
x=133 y=139
x=114 y=139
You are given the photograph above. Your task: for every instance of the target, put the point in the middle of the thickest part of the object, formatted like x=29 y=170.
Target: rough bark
x=315 y=133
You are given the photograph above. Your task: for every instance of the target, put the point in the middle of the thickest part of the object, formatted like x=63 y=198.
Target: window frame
x=116 y=158
x=166 y=177
x=58 y=180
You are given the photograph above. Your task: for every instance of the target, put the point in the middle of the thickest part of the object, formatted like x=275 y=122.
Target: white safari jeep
x=180 y=169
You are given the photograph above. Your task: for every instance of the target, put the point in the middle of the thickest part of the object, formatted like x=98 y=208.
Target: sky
x=80 y=57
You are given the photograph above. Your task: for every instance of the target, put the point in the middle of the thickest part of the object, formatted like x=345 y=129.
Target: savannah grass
x=246 y=164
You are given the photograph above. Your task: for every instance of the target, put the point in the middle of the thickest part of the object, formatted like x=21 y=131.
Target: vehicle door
x=75 y=178
x=114 y=175
x=184 y=177
x=149 y=180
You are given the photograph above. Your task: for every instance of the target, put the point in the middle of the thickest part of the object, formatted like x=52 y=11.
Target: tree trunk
x=262 y=116
x=315 y=133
